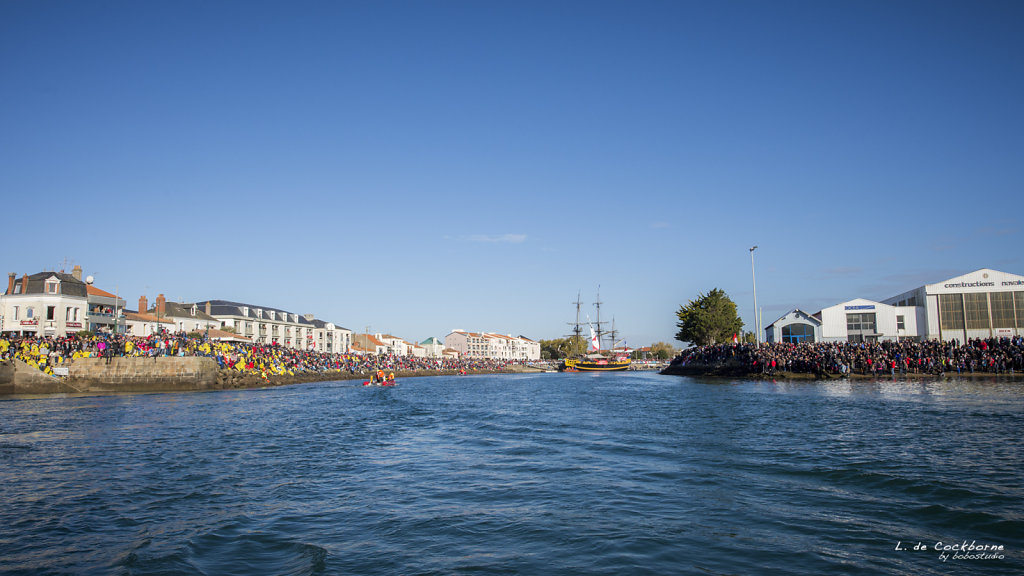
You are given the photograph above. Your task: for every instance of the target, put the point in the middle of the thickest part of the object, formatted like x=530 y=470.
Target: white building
x=370 y=344
x=861 y=320
x=55 y=304
x=144 y=324
x=106 y=310
x=433 y=347
x=267 y=325
x=395 y=345
x=492 y=346
x=794 y=327
x=415 y=350
x=182 y=317
x=985 y=303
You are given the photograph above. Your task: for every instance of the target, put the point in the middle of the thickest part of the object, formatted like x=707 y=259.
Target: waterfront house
x=54 y=304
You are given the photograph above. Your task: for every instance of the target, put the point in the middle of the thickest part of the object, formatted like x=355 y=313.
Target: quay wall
x=95 y=375
x=165 y=374
x=162 y=374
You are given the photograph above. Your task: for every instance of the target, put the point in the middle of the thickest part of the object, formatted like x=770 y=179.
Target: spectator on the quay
x=995 y=355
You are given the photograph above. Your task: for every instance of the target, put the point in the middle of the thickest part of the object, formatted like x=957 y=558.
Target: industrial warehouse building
x=982 y=304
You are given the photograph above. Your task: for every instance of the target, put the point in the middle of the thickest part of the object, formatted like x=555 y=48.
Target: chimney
x=77 y=272
x=143 y=304
x=24 y=284
x=209 y=309
x=161 y=305
x=10 y=283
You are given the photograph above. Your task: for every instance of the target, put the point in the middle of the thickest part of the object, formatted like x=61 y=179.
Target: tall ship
x=595 y=358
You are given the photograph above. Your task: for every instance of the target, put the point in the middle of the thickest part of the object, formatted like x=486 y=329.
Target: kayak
x=388 y=383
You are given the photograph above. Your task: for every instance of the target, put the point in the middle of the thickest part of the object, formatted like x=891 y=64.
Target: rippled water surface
x=544 y=474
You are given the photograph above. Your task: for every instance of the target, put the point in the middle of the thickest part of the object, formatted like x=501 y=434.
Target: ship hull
x=595 y=366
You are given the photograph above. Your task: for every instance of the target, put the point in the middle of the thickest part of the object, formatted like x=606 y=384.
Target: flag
x=735 y=339
x=593 y=339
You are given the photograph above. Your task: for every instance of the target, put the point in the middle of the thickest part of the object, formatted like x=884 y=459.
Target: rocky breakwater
x=731 y=367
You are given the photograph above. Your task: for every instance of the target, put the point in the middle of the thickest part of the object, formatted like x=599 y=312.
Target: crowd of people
x=47 y=353
x=994 y=355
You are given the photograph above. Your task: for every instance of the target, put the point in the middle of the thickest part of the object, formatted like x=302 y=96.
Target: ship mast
x=600 y=331
x=613 y=333
x=577 y=331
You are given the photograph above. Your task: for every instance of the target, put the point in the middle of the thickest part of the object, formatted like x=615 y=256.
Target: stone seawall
x=163 y=374
x=95 y=375
x=143 y=374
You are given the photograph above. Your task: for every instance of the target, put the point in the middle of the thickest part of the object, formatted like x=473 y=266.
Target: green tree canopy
x=663 y=350
x=559 y=348
x=709 y=319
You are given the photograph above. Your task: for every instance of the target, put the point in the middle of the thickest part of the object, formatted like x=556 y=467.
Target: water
x=534 y=474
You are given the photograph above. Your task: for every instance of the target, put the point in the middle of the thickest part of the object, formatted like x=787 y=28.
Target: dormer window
x=245 y=310
x=51 y=286
x=273 y=315
x=259 y=313
x=193 y=309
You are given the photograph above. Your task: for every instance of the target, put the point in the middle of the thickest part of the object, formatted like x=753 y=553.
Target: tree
x=559 y=348
x=709 y=319
x=662 y=350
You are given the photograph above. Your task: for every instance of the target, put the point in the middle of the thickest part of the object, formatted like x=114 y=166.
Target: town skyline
x=418 y=168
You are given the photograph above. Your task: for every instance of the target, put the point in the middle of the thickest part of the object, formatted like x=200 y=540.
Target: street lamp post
x=757 y=320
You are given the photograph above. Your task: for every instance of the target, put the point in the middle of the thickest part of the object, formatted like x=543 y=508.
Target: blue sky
x=417 y=167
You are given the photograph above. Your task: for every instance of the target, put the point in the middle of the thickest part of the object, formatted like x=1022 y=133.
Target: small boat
x=384 y=383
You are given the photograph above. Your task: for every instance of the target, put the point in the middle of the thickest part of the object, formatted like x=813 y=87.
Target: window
x=51 y=311
x=864 y=322
x=900 y=323
x=51 y=286
x=29 y=312
x=1018 y=306
x=67 y=314
x=951 y=311
x=17 y=288
x=976 y=310
x=1002 y=309
x=15 y=312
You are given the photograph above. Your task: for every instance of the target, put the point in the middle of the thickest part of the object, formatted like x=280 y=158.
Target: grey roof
x=322 y=323
x=798 y=313
x=69 y=285
x=177 y=310
x=229 y=308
